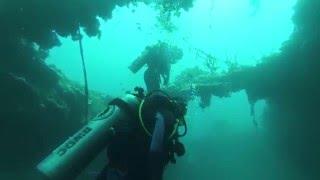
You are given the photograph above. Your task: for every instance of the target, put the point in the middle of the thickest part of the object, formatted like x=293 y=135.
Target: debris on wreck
x=289 y=81
x=39 y=105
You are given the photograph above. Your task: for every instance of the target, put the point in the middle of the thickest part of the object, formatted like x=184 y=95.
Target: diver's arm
x=158 y=134
x=157 y=149
x=156 y=153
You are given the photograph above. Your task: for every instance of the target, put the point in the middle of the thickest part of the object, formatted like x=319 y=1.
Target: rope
x=86 y=91
x=253 y=114
x=252 y=102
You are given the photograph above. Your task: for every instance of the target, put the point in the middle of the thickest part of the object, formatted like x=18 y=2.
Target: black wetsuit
x=158 y=60
x=159 y=66
x=141 y=157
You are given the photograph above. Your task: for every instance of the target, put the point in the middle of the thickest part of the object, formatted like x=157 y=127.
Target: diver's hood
x=156 y=101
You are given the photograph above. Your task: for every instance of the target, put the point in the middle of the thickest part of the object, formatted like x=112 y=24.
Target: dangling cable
x=252 y=102
x=86 y=91
x=253 y=114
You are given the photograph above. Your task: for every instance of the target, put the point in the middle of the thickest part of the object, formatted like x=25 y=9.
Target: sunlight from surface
x=236 y=30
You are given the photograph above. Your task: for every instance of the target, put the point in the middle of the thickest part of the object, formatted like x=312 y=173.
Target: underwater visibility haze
x=249 y=71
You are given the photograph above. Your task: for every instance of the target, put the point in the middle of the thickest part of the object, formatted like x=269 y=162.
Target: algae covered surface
x=250 y=74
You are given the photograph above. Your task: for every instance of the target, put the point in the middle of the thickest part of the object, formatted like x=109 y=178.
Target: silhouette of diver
x=158 y=59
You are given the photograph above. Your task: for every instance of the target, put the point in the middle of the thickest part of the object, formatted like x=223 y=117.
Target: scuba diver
x=158 y=59
x=141 y=133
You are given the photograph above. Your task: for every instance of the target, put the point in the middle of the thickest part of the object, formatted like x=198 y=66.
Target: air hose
x=179 y=121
